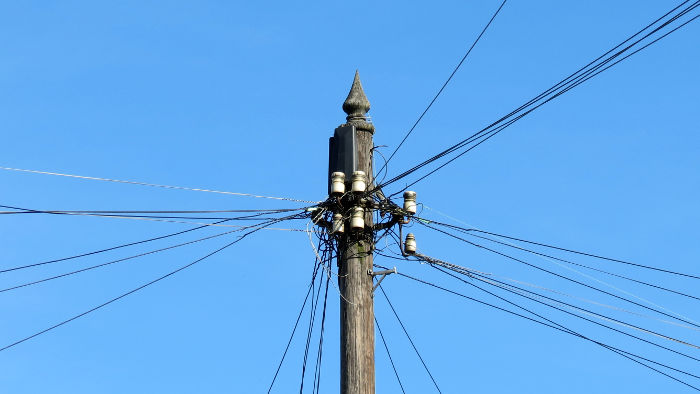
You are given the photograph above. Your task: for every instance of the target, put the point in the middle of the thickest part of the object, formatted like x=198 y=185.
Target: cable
x=573 y=80
x=154 y=185
x=589 y=320
x=319 y=354
x=106 y=249
x=563 y=86
x=155 y=218
x=125 y=212
x=571 y=251
x=240 y=238
x=618 y=351
x=468 y=232
x=409 y=339
x=391 y=360
x=301 y=311
x=562 y=276
x=312 y=319
x=444 y=85
x=127 y=258
x=572 y=331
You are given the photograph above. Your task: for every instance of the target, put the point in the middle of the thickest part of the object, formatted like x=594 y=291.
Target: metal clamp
x=383 y=274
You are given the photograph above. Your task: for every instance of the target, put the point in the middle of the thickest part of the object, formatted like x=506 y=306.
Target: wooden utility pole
x=355 y=263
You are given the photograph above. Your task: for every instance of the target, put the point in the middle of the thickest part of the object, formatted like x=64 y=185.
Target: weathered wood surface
x=355 y=260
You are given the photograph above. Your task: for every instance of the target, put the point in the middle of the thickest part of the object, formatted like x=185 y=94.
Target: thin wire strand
x=563 y=86
x=123 y=259
x=127 y=293
x=565 y=328
x=444 y=85
x=104 y=250
x=154 y=185
x=391 y=360
x=564 y=277
x=626 y=354
x=296 y=324
x=410 y=339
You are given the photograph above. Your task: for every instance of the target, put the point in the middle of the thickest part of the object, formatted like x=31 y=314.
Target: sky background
x=242 y=96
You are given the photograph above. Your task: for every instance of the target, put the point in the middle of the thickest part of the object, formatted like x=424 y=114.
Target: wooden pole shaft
x=355 y=260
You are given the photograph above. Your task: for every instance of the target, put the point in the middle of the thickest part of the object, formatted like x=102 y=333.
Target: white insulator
x=410 y=244
x=409 y=202
x=337 y=183
x=359 y=182
x=338 y=224
x=357 y=218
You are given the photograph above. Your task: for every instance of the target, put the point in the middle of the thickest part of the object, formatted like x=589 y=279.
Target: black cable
x=129 y=258
x=561 y=276
x=319 y=354
x=618 y=351
x=468 y=232
x=568 y=83
x=569 y=250
x=557 y=324
x=409 y=339
x=444 y=85
x=584 y=318
x=117 y=211
x=109 y=249
x=240 y=238
x=391 y=360
x=289 y=342
x=312 y=318
x=573 y=80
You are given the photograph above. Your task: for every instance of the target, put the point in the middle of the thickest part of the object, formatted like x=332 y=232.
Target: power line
x=626 y=354
x=444 y=85
x=589 y=320
x=107 y=249
x=240 y=238
x=562 y=276
x=565 y=328
x=468 y=232
x=575 y=79
x=123 y=259
x=289 y=342
x=161 y=218
x=571 y=251
x=409 y=339
x=153 y=184
x=391 y=360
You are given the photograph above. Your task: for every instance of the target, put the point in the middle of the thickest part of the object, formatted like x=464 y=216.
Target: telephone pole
x=355 y=260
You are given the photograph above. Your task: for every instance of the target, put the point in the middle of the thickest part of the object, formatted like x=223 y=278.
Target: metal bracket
x=383 y=274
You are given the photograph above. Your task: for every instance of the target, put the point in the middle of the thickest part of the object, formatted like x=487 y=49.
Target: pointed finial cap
x=356 y=105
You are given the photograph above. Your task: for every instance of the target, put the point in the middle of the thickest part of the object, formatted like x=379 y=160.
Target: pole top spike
x=356 y=105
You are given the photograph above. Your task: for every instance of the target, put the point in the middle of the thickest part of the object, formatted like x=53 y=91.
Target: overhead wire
x=319 y=353
x=575 y=79
x=626 y=354
x=469 y=232
x=154 y=185
x=403 y=327
x=312 y=319
x=159 y=219
x=444 y=85
x=4 y=270
x=572 y=251
x=571 y=331
x=112 y=300
x=124 y=259
x=296 y=324
x=685 y=320
x=628 y=325
x=391 y=360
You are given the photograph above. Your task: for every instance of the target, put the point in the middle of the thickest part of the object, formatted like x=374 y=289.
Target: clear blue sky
x=242 y=96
